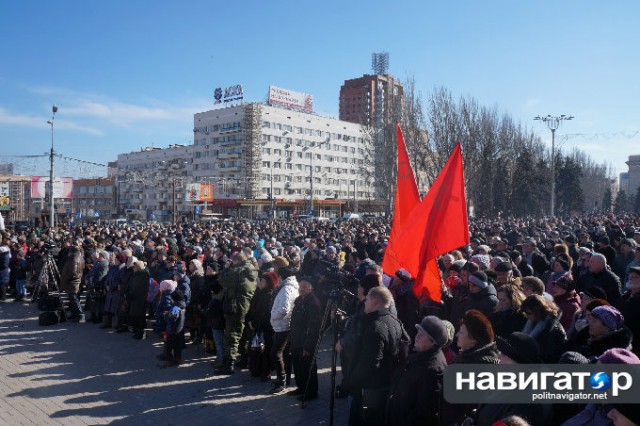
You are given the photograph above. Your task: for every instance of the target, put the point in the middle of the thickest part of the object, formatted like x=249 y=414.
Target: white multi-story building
x=257 y=157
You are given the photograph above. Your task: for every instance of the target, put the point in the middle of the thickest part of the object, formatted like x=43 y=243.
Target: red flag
x=438 y=225
x=407 y=198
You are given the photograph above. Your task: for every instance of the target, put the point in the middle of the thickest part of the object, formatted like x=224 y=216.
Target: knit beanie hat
x=271 y=278
x=618 y=356
x=609 y=316
x=571 y=357
x=451 y=332
x=478 y=326
x=482 y=260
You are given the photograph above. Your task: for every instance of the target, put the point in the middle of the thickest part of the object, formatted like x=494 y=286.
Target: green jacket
x=240 y=282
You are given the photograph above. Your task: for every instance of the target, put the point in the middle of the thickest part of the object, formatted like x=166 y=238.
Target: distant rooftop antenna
x=380 y=63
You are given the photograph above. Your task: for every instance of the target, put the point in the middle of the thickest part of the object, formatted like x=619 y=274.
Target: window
x=299 y=130
x=308 y=132
x=266 y=138
x=307 y=155
x=266 y=164
x=277 y=126
x=277 y=152
x=277 y=165
x=298 y=154
x=288 y=127
x=319 y=133
x=288 y=154
x=266 y=124
x=299 y=167
x=288 y=166
x=266 y=151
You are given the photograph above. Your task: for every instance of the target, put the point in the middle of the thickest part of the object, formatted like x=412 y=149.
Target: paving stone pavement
x=78 y=374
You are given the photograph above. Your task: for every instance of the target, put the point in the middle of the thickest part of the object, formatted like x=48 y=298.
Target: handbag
x=257 y=342
x=374 y=405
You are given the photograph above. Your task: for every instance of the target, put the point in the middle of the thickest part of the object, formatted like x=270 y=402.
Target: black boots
x=225 y=369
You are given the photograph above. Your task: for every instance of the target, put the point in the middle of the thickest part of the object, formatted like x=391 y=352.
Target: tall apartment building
x=366 y=100
x=257 y=157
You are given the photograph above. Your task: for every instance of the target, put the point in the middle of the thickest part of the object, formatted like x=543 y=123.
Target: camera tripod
x=331 y=313
x=48 y=279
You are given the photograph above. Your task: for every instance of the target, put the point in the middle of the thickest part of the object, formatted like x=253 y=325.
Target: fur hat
x=478 y=326
x=609 y=316
x=520 y=347
x=280 y=261
x=433 y=327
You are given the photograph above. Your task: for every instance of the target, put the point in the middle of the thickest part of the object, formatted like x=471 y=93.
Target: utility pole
x=173 y=202
x=553 y=123
x=311 y=186
x=51 y=198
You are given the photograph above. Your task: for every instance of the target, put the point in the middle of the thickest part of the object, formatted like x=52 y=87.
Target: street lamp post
x=273 y=203
x=311 y=183
x=553 y=123
x=54 y=109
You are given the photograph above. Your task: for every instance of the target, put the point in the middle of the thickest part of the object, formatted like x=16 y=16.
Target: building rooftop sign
x=289 y=99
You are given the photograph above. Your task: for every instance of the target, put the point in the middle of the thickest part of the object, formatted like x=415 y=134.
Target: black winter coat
x=485 y=354
x=552 y=341
x=306 y=319
x=506 y=322
x=630 y=308
x=620 y=338
x=415 y=390
x=484 y=301
x=260 y=310
x=604 y=279
x=377 y=354
x=137 y=293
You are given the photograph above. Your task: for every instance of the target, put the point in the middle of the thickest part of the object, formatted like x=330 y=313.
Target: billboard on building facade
x=199 y=192
x=286 y=98
x=62 y=187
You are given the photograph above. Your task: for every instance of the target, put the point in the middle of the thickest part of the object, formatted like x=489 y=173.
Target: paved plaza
x=78 y=374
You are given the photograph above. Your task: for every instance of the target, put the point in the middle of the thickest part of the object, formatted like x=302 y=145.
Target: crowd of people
x=524 y=291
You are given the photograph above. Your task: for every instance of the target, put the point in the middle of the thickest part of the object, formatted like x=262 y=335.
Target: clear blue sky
x=127 y=74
